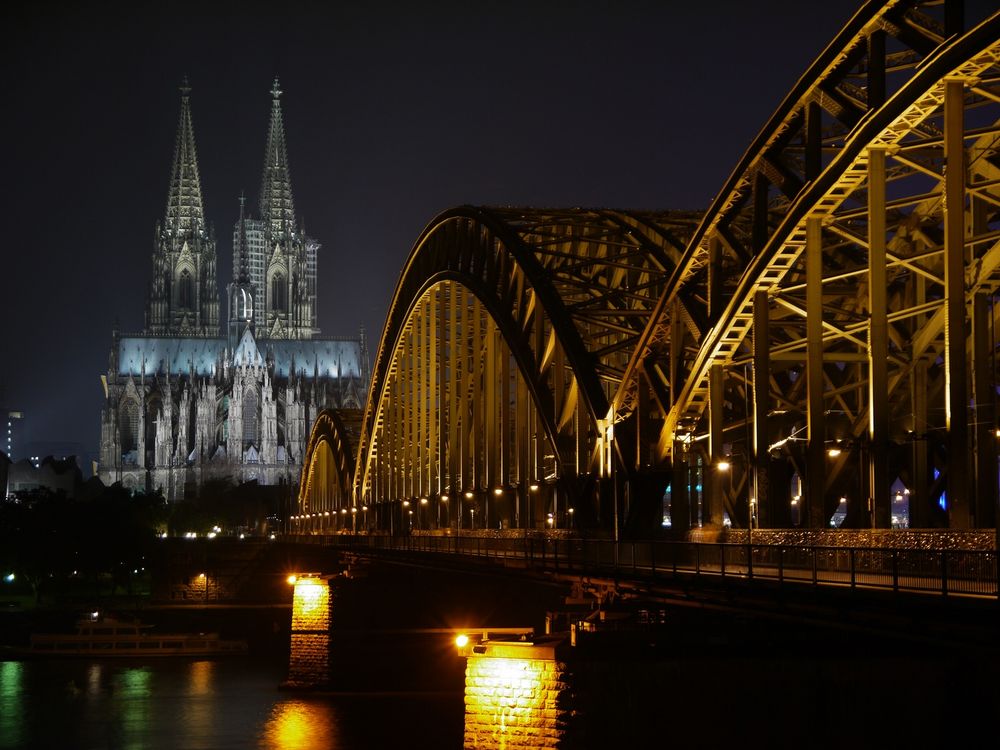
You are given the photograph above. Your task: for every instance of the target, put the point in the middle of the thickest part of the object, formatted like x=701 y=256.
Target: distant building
x=184 y=403
x=60 y=476
x=13 y=433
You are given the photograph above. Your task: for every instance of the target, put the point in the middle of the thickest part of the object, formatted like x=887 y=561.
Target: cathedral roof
x=246 y=351
x=155 y=355
x=185 y=211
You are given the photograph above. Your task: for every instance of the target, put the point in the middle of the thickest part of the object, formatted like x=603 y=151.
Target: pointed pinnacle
x=276 y=88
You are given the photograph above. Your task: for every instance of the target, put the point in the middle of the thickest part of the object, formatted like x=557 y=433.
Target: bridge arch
x=504 y=346
x=827 y=305
x=324 y=501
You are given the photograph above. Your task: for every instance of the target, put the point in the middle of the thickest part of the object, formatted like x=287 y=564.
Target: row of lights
x=326 y=514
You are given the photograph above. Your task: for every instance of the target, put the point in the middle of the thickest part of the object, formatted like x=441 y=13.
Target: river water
x=206 y=704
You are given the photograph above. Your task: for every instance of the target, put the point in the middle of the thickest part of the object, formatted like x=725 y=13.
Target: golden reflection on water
x=298 y=725
x=11 y=677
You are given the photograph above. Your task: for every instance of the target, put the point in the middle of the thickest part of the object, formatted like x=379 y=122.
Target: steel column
x=816 y=450
x=956 y=387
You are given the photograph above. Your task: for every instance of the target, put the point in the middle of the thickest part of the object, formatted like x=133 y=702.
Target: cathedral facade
x=193 y=398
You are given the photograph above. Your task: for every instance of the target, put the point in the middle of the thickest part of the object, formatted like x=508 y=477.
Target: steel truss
x=829 y=304
x=506 y=341
x=324 y=501
x=826 y=329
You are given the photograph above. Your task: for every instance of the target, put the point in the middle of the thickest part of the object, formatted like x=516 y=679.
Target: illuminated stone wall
x=309 y=658
x=516 y=696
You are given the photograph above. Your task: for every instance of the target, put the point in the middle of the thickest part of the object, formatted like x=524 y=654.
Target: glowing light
x=469 y=494
x=723 y=465
x=444 y=498
x=498 y=491
x=423 y=501
x=462 y=640
x=201 y=576
x=292 y=579
x=406 y=503
x=833 y=452
x=9 y=578
x=843 y=500
x=533 y=486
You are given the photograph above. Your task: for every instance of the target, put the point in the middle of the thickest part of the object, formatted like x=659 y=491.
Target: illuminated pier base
x=517 y=695
x=312 y=605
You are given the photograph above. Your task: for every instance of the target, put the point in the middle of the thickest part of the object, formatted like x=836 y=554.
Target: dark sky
x=393 y=113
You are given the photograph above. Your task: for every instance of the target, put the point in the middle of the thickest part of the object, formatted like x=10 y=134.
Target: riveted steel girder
x=505 y=343
x=936 y=198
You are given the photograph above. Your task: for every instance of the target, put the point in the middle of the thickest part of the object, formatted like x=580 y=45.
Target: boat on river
x=99 y=635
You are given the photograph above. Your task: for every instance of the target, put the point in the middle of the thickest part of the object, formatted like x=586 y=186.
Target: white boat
x=102 y=636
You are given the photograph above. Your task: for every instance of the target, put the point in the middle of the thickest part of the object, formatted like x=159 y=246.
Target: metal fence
x=937 y=571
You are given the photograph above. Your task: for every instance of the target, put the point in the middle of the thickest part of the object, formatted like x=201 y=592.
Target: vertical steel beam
x=813 y=140
x=715 y=279
x=986 y=441
x=816 y=416
x=955 y=334
x=719 y=479
x=876 y=69
x=878 y=346
x=761 y=406
x=759 y=229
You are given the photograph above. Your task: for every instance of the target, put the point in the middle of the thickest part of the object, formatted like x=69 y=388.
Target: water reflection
x=11 y=677
x=201 y=705
x=296 y=724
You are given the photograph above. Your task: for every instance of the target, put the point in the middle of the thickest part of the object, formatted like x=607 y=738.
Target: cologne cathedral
x=187 y=402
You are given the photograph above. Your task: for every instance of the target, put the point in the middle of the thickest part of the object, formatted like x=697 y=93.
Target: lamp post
x=469 y=494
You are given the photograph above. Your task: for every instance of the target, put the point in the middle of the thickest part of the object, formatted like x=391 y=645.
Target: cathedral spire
x=185 y=212
x=243 y=272
x=276 y=205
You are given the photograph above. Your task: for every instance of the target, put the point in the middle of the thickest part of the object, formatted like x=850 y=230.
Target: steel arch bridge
x=819 y=340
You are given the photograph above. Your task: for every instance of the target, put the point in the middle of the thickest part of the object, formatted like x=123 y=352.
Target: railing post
x=749 y=560
x=895 y=570
x=815 y=566
x=944 y=572
x=697 y=559
x=781 y=565
x=850 y=553
x=652 y=557
x=722 y=558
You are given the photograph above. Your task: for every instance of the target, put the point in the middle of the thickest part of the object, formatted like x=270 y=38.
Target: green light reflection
x=11 y=708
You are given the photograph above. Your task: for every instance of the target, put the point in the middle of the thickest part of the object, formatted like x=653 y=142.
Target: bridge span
x=816 y=348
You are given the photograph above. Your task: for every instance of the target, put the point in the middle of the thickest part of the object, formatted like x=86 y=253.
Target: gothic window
x=128 y=426
x=250 y=417
x=185 y=291
x=279 y=299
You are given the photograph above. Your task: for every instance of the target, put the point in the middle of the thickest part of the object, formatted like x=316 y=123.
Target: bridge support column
x=761 y=407
x=516 y=696
x=309 y=657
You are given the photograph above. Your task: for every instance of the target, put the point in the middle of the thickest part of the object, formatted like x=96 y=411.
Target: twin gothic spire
x=276 y=204
x=185 y=209
x=183 y=295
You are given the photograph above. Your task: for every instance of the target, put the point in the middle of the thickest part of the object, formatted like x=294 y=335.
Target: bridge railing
x=937 y=571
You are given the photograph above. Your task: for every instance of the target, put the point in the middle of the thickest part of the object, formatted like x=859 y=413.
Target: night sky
x=393 y=113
